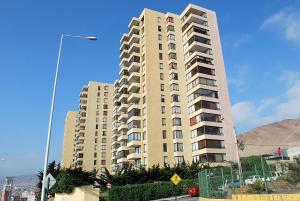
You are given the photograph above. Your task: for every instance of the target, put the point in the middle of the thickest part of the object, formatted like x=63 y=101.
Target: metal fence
x=222 y=182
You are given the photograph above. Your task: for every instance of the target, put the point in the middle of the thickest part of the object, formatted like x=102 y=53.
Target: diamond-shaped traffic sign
x=175 y=179
x=49 y=181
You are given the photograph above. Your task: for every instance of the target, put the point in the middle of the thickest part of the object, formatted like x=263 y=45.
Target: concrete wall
x=84 y=193
x=262 y=197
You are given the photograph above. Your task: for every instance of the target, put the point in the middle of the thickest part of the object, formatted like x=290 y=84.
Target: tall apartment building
x=171 y=100
x=91 y=143
x=69 y=138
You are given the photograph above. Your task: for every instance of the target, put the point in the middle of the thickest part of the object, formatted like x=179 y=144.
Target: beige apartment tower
x=171 y=101
x=69 y=138
x=92 y=137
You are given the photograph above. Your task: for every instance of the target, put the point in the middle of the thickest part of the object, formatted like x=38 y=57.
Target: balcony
x=198 y=59
x=134 y=143
x=122 y=138
x=124 y=54
x=134 y=66
x=199 y=19
x=123 y=97
x=133 y=98
x=194 y=29
x=135 y=38
x=134 y=22
x=134 y=87
x=124 y=38
x=134 y=156
x=122 y=148
x=123 y=127
x=83 y=94
x=134 y=77
x=134 y=48
x=123 y=107
x=122 y=160
x=123 y=116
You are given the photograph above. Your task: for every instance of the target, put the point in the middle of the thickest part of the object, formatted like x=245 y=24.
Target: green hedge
x=149 y=191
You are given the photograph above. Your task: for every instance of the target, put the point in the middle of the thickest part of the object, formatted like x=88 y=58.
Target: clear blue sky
x=260 y=40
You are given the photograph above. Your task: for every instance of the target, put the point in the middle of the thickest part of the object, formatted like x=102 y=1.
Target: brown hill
x=266 y=139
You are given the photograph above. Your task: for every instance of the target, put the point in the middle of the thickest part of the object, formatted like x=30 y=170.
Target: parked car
x=194 y=191
x=252 y=179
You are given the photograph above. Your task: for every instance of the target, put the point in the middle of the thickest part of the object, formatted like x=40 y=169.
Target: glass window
x=176 y=121
x=164 y=134
x=177 y=134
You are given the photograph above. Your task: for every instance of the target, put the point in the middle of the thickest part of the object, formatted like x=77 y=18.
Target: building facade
x=69 y=138
x=92 y=136
x=171 y=100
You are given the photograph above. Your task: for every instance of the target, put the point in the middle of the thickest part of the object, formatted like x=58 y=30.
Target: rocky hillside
x=265 y=139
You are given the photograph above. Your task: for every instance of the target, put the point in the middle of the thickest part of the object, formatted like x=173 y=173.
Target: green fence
x=256 y=177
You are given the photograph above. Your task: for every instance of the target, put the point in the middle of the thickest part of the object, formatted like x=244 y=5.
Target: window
x=99 y=88
x=162 y=87
x=170 y=28
x=161 y=76
x=98 y=106
x=177 y=134
x=144 y=135
x=97 y=126
x=163 y=109
x=159 y=28
x=159 y=37
x=170 y=19
x=158 y=19
x=173 y=76
x=105 y=94
x=95 y=155
x=175 y=98
x=178 y=159
x=105 y=106
x=104 y=119
x=172 y=46
x=173 y=66
x=103 y=140
x=97 y=119
x=162 y=98
x=104 y=133
x=172 y=55
x=165 y=147
x=160 y=46
x=144 y=99
x=103 y=162
x=103 y=147
x=165 y=159
x=206 y=130
x=176 y=110
x=178 y=147
x=134 y=137
x=95 y=162
x=144 y=123
x=103 y=154
x=98 y=94
x=105 y=113
x=96 y=140
x=160 y=56
x=201 y=80
x=176 y=121
x=205 y=117
x=105 y=100
x=97 y=113
x=171 y=37
x=163 y=122
x=161 y=66
x=174 y=87
x=96 y=133
x=164 y=134
x=106 y=87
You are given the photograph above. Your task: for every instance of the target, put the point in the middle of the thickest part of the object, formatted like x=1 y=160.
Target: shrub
x=149 y=191
x=257 y=187
x=64 y=183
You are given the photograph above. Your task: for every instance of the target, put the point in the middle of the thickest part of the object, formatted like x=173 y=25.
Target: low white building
x=293 y=152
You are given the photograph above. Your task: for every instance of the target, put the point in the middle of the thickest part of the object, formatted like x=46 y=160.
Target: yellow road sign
x=175 y=179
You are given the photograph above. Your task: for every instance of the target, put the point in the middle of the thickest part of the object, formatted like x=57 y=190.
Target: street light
x=52 y=105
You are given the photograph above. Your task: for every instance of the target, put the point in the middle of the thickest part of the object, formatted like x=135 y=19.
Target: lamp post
x=52 y=106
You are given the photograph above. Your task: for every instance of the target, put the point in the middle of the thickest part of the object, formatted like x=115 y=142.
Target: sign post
x=175 y=179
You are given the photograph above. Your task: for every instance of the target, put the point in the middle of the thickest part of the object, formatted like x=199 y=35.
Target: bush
x=149 y=191
x=257 y=187
x=64 y=183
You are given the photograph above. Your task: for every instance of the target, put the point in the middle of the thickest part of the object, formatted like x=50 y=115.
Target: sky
x=260 y=41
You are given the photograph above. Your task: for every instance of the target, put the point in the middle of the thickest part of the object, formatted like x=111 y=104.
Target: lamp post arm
x=50 y=119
